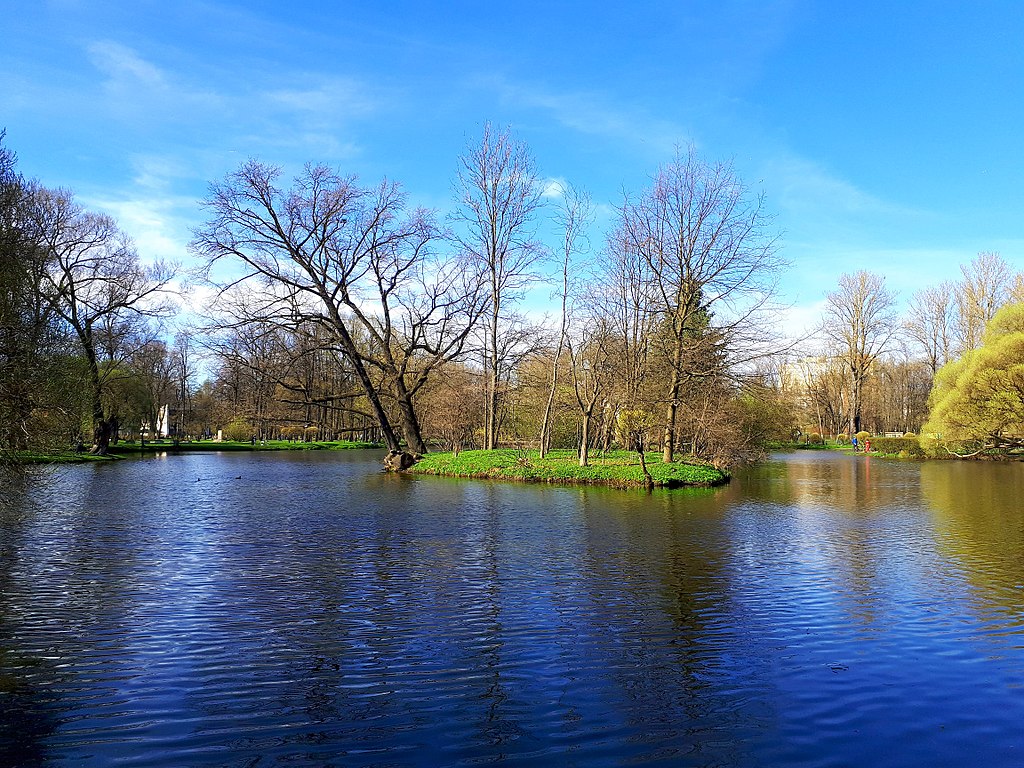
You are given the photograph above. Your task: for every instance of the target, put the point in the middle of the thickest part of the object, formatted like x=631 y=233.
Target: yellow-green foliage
x=897 y=446
x=981 y=395
x=632 y=427
x=238 y=430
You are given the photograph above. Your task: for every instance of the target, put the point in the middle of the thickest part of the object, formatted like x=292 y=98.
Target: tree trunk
x=410 y=423
x=648 y=480
x=668 y=448
x=545 y=426
x=493 y=376
x=584 y=453
x=102 y=428
x=855 y=407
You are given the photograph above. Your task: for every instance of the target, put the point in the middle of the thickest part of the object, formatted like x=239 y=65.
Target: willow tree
x=704 y=248
x=978 y=399
x=354 y=261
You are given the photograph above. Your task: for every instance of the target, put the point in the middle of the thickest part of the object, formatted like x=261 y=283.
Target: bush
x=815 y=439
x=843 y=439
x=239 y=430
x=910 y=434
x=897 y=446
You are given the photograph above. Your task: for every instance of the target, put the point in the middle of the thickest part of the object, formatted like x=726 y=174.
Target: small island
x=616 y=469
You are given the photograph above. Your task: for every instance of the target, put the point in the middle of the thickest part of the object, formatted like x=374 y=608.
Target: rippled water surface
x=307 y=609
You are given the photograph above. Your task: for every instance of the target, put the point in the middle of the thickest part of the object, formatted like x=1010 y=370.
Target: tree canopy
x=978 y=399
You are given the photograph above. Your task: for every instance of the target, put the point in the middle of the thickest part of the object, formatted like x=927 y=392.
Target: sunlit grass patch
x=620 y=469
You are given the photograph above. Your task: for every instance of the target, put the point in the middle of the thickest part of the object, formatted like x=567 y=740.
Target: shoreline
x=133 y=450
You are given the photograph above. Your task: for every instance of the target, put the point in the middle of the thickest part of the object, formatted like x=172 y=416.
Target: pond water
x=306 y=609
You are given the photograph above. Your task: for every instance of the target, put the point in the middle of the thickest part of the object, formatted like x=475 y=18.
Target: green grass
x=619 y=469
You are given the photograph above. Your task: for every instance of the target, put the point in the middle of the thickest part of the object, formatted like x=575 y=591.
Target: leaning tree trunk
x=410 y=424
x=648 y=480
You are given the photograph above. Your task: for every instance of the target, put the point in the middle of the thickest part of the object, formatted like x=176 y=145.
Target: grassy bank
x=618 y=469
x=125 y=450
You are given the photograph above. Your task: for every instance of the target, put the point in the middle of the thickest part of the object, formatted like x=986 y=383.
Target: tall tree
x=97 y=284
x=983 y=289
x=859 y=322
x=590 y=348
x=978 y=399
x=573 y=216
x=931 y=322
x=499 y=194
x=33 y=340
x=357 y=263
x=711 y=259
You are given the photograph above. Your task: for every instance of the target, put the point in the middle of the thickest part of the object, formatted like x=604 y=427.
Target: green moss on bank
x=618 y=469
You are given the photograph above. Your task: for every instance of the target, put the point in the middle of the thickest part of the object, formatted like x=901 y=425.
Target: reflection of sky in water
x=211 y=610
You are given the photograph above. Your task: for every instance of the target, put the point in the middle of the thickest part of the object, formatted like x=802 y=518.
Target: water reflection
x=980 y=522
x=311 y=610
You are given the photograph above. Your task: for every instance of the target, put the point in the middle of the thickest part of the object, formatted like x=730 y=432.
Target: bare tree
x=859 y=322
x=573 y=216
x=355 y=262
x=931 y=323
x=983 y=290
x=97 y=284
x=711 y=262
x=591 y=370
x=499 y=195
x=155 y=366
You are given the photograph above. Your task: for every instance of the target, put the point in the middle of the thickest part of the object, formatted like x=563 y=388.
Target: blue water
x=307 y=609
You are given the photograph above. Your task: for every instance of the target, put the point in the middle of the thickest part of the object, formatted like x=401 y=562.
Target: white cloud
x=124 y=67
x=159 y=226
x=802 y=187
x=553 y=188
x=332 y=97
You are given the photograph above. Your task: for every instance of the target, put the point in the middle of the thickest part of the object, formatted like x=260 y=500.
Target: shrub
x=910 y=434
x=239 y=430
x=814 y=438
x=897 y=446
x=862 y=436
x=843 y=439
x=310 y=433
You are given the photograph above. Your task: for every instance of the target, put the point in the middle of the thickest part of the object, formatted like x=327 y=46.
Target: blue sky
x=885 y=136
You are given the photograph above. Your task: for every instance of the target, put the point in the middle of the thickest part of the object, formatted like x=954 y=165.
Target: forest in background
x=341 y=312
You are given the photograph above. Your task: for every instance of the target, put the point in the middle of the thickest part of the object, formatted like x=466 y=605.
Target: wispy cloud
x=591 y=114
x=801 y=185
x=124 y=67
